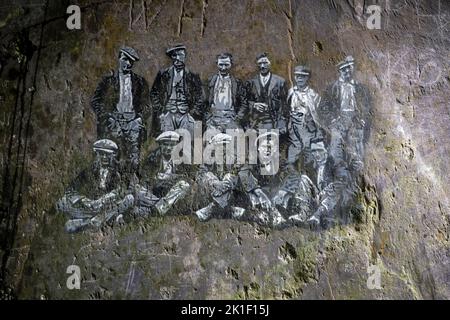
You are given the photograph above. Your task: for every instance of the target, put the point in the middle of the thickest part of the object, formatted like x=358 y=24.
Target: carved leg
x=73 y=207
x=119 y=208
x=76 y=225
x=177 y=192
x=277 y=218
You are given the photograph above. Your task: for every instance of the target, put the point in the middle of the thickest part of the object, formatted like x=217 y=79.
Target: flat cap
x=348 y=61
x=175 y=48
x=168 y=136
x=220 y=138
x=262 y=57
x=105 y=145
x=302 y=70
x=130 y=53
x=265 y=138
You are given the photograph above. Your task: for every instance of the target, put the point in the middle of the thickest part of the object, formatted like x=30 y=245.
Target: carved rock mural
x=239 y=149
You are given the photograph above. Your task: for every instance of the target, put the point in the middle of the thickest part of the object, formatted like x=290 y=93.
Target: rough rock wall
x=49 y=73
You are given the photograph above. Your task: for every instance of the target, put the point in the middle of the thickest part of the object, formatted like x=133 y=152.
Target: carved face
x=125 y=63
x=224 y=66
x=106 y=159
x=179 y=59
x=347 y=72
x=267 y=151
x=167 y=148
x=320 y=156
x=264 y=65
x=301 y=80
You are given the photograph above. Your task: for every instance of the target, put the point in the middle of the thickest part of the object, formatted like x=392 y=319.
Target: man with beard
x=98 y=194
x=226 y=97
x=121 y=104
x=267 y=96
x=177 y=95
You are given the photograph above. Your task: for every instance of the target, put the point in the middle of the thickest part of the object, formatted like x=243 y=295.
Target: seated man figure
x=218 y=182
x=121 y=105
x=334 y=185
x=164 y=182
x=98 y=194
x=261 y=181
x=297 y=197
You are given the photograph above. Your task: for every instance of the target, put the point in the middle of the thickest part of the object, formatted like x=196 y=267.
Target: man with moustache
x=121 y=103
x=261 y=181
x=163 y=182
x=177 y=95
x=98 y=194
x=302 y=124
x=345 y=110
x=226 y=97
x=267 y=95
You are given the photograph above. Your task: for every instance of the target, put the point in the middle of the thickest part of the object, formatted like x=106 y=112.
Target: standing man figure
x=121 y=103
x=177 y=94
x=302 y=126
x=345 y=111
x=267 y=96
x=227 y=97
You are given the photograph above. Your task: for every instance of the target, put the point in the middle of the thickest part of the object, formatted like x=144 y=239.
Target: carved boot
x=299 y=218
x=237 y=212
x=277 y=219
x=316 y=219
x=205 y=213
x=76 y=225
x=119 y=208
x=262 y=218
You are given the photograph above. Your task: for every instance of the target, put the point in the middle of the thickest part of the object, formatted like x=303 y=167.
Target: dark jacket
x=329 y=108
x=87 y=183
x=107 y=94
x=162 y=89
x=238 y=95
x=154 y=165
x=276 y=99
x=251 y=178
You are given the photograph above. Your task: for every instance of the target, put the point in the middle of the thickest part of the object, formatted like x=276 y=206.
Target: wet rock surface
x=48 y=75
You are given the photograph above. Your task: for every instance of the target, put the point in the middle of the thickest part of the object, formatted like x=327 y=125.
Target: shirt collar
x=304 y=89
x=175 y=71
x=266 y=76
x=124 y=75
x=341 y=80
x=224 y=77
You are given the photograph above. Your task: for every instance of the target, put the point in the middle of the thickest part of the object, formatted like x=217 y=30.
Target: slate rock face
x=48 y=75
